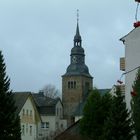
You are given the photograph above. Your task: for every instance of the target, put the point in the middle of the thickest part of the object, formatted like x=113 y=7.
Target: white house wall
x=56 y=123
x=132 y=60
x=50 y=131
x=61 y=124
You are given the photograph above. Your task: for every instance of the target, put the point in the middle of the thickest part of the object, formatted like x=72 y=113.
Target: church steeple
x=77 y=57
x=77 y=80
x=77 y=37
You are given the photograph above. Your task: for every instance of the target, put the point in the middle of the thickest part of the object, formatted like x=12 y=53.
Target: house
x=131 y=42
x=29 y=117
x=51 y=112
x=113 y=90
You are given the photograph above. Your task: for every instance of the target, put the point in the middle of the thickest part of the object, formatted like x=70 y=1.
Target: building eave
x=124 y=37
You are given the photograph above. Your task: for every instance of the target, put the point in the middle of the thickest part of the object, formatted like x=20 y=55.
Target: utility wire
x=136 y=15
x=129 y=71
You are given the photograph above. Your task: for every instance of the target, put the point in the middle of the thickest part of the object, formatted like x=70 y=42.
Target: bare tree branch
x=51 y=91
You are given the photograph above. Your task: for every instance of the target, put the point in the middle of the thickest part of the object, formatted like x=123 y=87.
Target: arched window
x=74 y=84
x=68 y=84
x=71 y=84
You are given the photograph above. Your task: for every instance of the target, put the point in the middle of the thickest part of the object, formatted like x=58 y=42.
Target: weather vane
x=77 y=15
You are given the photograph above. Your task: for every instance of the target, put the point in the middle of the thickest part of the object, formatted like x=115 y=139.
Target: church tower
x=77 y=80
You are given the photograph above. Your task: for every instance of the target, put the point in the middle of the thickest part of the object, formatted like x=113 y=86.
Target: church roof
x=77 y=50
x=77 y=70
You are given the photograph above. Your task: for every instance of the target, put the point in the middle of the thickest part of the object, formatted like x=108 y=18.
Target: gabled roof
x=72 y=133
x=45 y=105
x=131 y=33
x=42 y=100
x=20 y=99
x=104 y=91
x=80 y=107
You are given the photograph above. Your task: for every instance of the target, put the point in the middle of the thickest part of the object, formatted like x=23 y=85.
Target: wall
x=132 y=60
x=28 y=124
x=72 y=97
x=61 y=124
x=47 y=132
x=56 y=123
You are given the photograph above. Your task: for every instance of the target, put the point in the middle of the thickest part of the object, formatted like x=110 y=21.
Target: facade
x=76 y=81
x=132 y=57
x=113 y=90
x=29 y=117
x=51 y=112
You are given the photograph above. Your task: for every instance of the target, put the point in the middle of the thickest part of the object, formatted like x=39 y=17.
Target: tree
x=94 y=114
x=118 y=125
x=9 y=119
x=135 y=104
x=51 y=91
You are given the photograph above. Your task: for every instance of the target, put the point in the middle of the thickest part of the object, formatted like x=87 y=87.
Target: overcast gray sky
x=36 y=37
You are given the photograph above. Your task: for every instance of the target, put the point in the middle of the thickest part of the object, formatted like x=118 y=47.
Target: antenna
x=136 y=15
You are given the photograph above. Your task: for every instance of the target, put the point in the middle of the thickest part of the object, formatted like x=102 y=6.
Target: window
x=68 y=84
x=42 y=125
x=60 y=112
x=71 y=84
x=26 y=128
x=57 y=111
x=87 y=87
x=30 y=130
x=57 y=125
x=61 y=126
x=27 y=112
x=45 y=125
x=30 y=112
x=23 y=130
x=23 y=112
x=74 y=84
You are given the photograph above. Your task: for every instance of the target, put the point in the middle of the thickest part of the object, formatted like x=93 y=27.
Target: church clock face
x=74 y=59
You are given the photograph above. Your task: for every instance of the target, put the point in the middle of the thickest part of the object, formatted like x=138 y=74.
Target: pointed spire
x=77 y=37
x=77 y=28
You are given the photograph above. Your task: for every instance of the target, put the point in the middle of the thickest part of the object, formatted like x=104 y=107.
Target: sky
x=36 y=37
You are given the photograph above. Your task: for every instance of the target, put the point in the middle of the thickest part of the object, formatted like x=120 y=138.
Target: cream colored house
x=132 y=60
x=29 y=117
x=113 y=89
x=51 y=112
